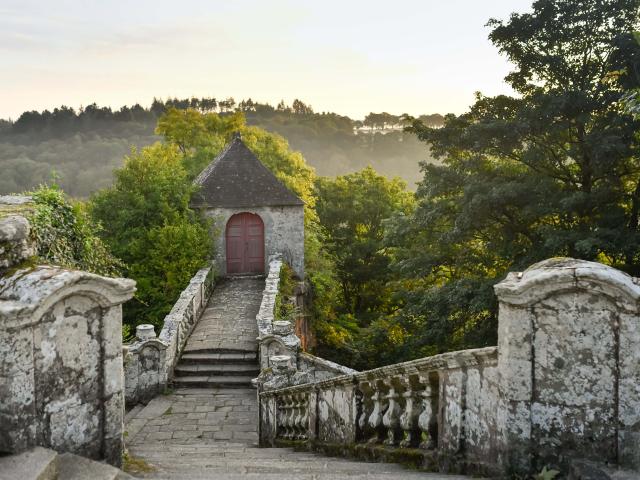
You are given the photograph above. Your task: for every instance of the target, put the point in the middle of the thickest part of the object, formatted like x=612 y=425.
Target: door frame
x=245 y=269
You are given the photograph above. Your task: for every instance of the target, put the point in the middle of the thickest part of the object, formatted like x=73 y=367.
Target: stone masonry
x=229 y=321
x=222 y=349
x=212 y=433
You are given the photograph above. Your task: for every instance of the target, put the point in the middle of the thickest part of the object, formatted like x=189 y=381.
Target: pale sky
x=346 y=56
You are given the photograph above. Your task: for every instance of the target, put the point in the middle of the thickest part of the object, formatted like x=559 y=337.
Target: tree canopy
x=148 y=224
x=551 y=172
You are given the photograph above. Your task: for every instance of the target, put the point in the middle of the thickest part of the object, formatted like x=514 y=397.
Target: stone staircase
x=44 y=464
x=222 y=349
x=216 y=368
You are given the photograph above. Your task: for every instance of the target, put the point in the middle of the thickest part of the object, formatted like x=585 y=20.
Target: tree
x=301 y=108
x=553 y=172
x=149 y=225
x=352 y=210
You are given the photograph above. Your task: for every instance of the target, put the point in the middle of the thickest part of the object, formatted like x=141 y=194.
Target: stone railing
x=437 y=406
x=274 y=337
x=562 y=385
x=149 y=361
x=60 y=350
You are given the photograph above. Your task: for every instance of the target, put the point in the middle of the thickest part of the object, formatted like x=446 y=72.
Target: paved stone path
x=229 y=321
x=211 y=433
x=203 y=434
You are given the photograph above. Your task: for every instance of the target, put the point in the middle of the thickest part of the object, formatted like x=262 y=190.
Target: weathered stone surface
x=213 y=434
x=35 y=464
x=61 y=369
x=16 y=243
x=75 y=467
x=569 y=365
x=149 y=362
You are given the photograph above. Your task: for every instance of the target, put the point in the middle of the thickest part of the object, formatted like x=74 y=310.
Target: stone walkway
x=203 y=434
x=211 y=433
x=229 y=321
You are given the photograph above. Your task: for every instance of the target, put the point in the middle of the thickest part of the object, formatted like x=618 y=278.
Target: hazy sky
x=347 y=56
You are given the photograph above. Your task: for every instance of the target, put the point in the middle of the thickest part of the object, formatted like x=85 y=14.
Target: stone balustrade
x=149 y=360
x=275 y=337
x=433 y=405
x=563 y=384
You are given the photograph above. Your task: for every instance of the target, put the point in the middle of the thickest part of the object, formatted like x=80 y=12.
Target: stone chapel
x=255 y=214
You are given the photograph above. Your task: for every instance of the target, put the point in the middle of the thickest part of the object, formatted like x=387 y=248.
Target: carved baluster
x=428 y=419
x=303 y=418
x=364 y=406
x=285 y=416
x=298 y=414
x=291 y=431
x=379 y=407
x=409 y=418
x=281 y=417
x=391 y=418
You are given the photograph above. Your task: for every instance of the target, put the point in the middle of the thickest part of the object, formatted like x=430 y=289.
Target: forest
x=82 y=147
x=394 y=274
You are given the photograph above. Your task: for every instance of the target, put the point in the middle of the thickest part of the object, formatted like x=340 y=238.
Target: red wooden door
x=245 y=244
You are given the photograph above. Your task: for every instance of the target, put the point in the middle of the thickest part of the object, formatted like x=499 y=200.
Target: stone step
x=75 y=467
x=44 y=464
x=213 y=357
x=133 y=412
x=35 y=464
x=213 y=381
x=217 y=369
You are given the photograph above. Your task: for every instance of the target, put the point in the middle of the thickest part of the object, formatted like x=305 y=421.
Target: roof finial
x=237 y=135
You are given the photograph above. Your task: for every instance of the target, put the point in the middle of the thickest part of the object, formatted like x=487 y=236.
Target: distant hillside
x=81 y=148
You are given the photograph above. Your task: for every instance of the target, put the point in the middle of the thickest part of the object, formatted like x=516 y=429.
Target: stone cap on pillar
x=563 y=274
x=27 y=294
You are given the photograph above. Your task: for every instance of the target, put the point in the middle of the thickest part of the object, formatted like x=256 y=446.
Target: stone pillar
x=569 y=366
x=145 y=366
x=61 y=374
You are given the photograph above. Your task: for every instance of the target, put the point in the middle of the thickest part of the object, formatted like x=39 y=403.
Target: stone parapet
x=149 y=361
x=274 y=337
x=569 y=343
x=562 y=384
x=61 y=376
x=441 y=405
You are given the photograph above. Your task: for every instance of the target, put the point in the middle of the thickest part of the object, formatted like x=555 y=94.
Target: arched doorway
x=245 y=244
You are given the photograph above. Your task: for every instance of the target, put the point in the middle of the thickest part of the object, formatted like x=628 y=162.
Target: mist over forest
x=81 y=148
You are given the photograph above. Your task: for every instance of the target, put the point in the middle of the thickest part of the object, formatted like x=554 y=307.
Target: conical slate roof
x=236 y=178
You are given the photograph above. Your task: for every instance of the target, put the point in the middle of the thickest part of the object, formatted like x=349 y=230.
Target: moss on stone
x=133 y=465
x=412 y=458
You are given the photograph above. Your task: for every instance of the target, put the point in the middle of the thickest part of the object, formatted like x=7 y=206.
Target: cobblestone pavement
x=229 y=321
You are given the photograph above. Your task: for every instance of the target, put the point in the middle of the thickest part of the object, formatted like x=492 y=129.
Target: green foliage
x=67 y=236
x=553 y=172
x=352 y=210
x=546 y=474
x=284 y=308
x=148 y=223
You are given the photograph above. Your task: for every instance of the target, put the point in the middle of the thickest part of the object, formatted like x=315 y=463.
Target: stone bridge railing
x=282 y=362
x=563 y=384
x=149 y=361
x=435 y=405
